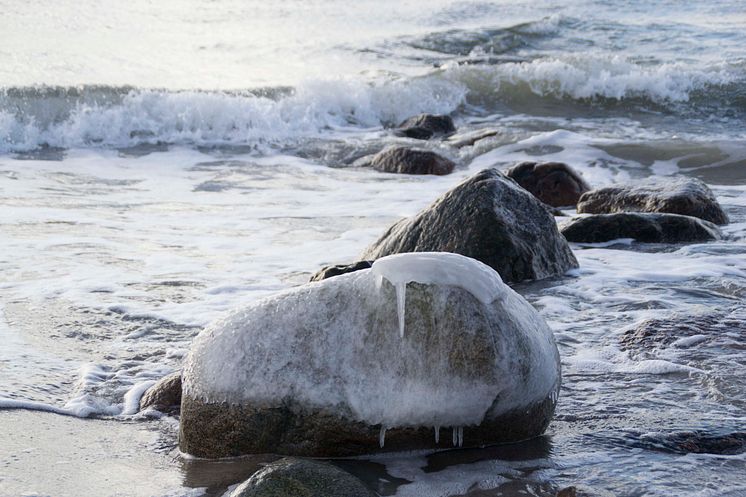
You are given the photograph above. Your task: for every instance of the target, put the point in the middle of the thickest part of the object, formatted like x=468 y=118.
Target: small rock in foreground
x=165 y=395
x=293 y=477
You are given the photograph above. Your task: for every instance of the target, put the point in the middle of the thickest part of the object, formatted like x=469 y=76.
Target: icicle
x=437 y=434
x=382 y=436
x=460 y=436
x=401 y=297
x=455 y=436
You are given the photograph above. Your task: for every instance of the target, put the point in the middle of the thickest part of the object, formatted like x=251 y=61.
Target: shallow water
x=147 y=191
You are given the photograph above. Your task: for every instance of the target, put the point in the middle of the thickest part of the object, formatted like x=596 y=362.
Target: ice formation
x=330 y=345
x=440 y=268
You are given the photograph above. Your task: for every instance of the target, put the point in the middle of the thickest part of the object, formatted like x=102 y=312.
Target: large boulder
x=554 y=183
x=645 y=227
x=294 y=477
x=490 y=218
x=407 y=160
x=686 y=196
x=165 y=395
x=426 y=126
x=421 y=351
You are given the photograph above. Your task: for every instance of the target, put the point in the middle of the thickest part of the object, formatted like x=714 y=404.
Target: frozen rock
x=645 y=227
x=554 y=183
x=323 y=369
x=490 y=218
x=330 y=271
x=293 y=477
x=686 y=196
x=165 y=395
x=426 y=126
x=406 y=160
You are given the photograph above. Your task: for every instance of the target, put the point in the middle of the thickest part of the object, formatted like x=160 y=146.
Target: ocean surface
x=164 y=162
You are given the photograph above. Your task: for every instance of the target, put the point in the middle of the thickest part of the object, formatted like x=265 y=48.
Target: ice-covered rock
x=324 y=369
x=490 y=218
x=686 y=196
x=645 y=227
x=554 y=183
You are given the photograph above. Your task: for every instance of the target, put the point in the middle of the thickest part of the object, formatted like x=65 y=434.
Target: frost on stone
x=473 y=348
x=438 y=268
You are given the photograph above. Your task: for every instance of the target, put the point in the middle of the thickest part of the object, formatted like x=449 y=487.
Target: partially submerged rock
x=472 y=137
x=704 y=327
x=583 y=491
x=554 y=183
x=294 y=477
x=426 y=126
x=420 y=351
x=336 y=270
x=645 y=227
x=165 y=395
x=686 y=196
x=490 y=218
x=407 y=160
x=695 y=442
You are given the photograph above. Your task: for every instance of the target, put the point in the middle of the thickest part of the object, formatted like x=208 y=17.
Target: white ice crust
x=334 y=345
x=438 y=268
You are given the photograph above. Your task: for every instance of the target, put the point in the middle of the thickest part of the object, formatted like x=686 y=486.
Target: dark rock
x=645 y=227
x=583 y=491
x=554 y=183
x=330 y=271
x=222 y=430
x=405 y=160
x=695 y=442
x=425 y=126
x=490 y=218
x=686 y=196
x=293 y=477
x=165 y=396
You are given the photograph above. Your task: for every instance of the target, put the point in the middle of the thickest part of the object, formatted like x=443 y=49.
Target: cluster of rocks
x=503 y=220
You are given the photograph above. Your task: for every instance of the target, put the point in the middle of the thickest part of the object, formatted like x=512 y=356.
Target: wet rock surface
x=165 y=395
x=685 y=196
x=554 y=183
x=406 y=160
x=426 y=126
x=294 y=477
x=490 y=218
x=643 y=227
x=665 y=331
x=695 y=442
x=336 y=270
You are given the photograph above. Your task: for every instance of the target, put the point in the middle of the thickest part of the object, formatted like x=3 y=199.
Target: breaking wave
x=100 y=116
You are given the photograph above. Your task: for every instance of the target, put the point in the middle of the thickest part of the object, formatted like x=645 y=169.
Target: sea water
x=163 y=164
